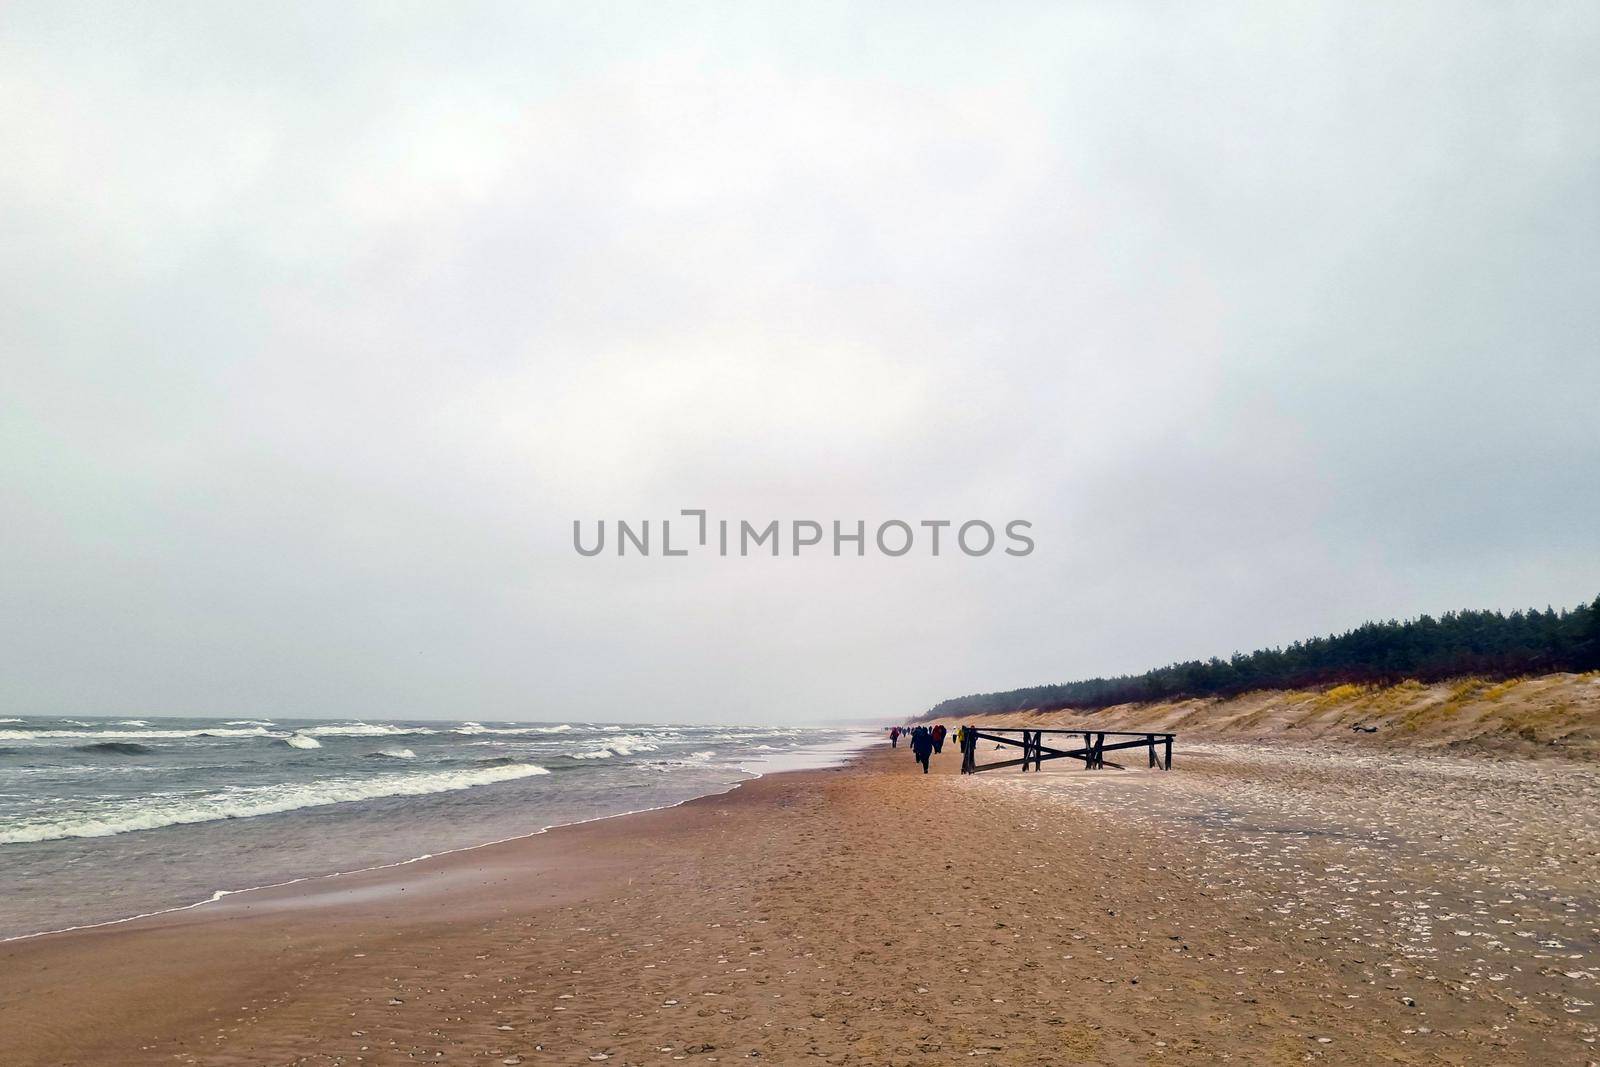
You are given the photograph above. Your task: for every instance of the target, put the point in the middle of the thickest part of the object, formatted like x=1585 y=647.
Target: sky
x=321 y=324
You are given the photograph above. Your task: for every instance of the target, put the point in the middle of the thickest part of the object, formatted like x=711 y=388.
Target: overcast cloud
x=320 y=325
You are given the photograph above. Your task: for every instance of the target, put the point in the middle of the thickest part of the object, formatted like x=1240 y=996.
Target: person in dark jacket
x=922 y=746
x=894 y=737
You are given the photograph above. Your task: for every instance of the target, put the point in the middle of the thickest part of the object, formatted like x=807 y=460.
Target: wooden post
x=1168 y=767
x=1152 y=739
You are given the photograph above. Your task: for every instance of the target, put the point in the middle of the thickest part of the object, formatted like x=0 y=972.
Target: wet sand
x=1262 y=903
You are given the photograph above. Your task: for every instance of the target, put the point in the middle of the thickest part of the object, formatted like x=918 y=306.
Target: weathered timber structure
x=1092 y=751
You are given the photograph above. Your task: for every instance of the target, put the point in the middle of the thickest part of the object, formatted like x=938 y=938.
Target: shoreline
x=104 y=964
x=846 y=751
x=867 y=914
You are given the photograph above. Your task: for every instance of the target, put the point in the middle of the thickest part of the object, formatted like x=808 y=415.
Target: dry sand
x=1261 y=903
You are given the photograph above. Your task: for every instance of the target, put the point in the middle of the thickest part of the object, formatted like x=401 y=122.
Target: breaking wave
x=626 y=745
x=362 y=729
x=127 y=735
x=152 y=813
x=473 y=728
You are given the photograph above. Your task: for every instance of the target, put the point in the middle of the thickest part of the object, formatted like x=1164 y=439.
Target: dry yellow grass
x=1495 y=692
x=1341 y=693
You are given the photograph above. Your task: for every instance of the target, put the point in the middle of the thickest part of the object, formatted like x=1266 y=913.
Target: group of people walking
x=925 y=741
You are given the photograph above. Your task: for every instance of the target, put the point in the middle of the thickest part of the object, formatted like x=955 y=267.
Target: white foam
x=301 y=741
x=251 y=722
x=396 y=753
x=128 y=735
x=628 y=744
x=473 y=728
x=362 y=729
x=151 y=813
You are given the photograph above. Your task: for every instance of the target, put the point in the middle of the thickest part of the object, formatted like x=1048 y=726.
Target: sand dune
x=1553 y=714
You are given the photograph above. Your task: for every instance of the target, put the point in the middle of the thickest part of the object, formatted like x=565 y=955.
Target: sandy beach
x=1261 y=903
x=480 y=483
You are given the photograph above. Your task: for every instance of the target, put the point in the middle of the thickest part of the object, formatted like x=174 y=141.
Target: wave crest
x=126 y=735
x=363 y=729
x=154 y=813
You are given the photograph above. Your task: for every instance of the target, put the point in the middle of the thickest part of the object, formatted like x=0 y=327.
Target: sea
x=106 y=819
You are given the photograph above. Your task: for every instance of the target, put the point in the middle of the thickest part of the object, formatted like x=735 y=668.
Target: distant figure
x=938 y=738
x=894 y=737
x=922 y=746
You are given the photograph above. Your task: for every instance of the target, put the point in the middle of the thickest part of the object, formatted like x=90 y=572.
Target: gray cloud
x=319 y=326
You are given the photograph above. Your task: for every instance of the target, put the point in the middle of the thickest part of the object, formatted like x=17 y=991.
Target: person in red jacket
x=894 y=737
x=938 y=737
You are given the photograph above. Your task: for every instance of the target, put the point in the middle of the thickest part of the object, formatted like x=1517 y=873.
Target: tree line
x=1428 y=649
